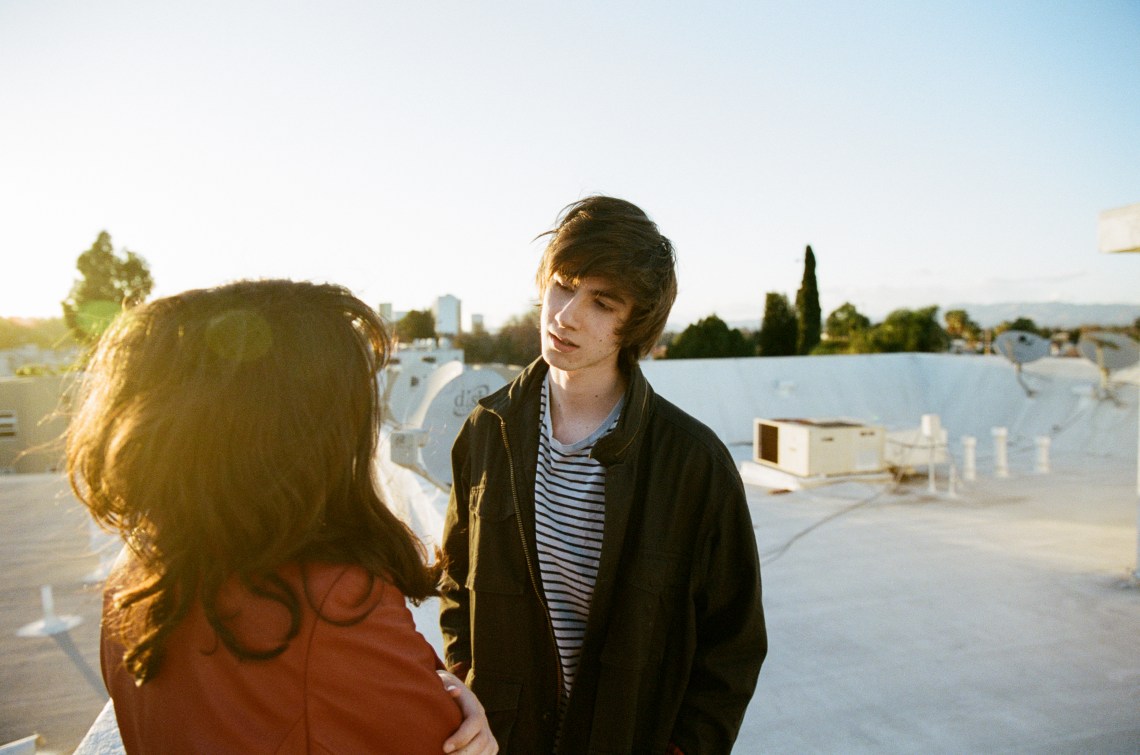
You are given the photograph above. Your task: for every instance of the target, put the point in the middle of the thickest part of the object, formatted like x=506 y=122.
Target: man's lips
x=560 y=343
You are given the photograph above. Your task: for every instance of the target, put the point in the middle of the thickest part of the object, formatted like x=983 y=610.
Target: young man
x=602 y=588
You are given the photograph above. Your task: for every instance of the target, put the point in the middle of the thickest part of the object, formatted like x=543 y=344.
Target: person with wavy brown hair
x=601 y=587
x=228 y=434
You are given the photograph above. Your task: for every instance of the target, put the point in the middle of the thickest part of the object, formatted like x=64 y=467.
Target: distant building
x=447 y=316
x=477 y=322
x=31 y=423
x=446 y=311
x=30 y=355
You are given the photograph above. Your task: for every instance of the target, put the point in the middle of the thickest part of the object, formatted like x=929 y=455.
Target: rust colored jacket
x=369 y=687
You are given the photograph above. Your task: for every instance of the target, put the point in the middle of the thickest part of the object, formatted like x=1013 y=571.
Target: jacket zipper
x=526 y=556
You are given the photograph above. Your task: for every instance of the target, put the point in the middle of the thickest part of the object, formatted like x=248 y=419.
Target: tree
x=478 y=345
x=959 y=325
x=845 y=321
x=903 y=330
x=416 y=324
x=807 y=307
x=778 y=331
x=709 y=338
x=1024 y=324
x=518 y=341
x=109 y=284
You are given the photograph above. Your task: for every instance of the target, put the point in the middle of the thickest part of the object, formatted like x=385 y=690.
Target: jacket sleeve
x=731 y=636
x=454 y=612
x=371 y=684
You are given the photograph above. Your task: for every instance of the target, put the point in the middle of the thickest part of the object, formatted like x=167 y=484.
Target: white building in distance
x=447 y=311
x=447 y=316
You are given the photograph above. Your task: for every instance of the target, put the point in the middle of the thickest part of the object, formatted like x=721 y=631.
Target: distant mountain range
x=1046 y=314
x=1049 y=314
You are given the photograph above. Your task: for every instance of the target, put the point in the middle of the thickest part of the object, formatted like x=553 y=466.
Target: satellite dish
x=450 y=398
x=406 y=385
x=1109 y=352
x=1022 y=347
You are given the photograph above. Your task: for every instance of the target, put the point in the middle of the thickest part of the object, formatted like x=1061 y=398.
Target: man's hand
x=473 y=737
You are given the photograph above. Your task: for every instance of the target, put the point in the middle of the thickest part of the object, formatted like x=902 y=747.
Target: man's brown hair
x=615 y=240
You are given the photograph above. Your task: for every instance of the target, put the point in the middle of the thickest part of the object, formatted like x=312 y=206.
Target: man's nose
x=567 y=316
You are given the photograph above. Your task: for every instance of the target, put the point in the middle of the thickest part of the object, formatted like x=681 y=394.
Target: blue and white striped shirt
x=569 y=499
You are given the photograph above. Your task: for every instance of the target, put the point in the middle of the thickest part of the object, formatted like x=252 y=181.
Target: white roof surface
x=998 y=619
x=900 y=621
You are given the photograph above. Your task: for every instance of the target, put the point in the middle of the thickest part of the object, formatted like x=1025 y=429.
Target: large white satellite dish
x=406 y=383
x=449 y=399
x=1022 y=347
x=1109 y=352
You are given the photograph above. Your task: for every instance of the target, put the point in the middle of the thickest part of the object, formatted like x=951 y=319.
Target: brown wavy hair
x=615 y=239
x=225 y=432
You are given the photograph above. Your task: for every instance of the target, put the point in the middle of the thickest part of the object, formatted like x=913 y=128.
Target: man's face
x=580 y=323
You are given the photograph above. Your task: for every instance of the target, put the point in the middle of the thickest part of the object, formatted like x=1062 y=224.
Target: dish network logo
x=466 y=399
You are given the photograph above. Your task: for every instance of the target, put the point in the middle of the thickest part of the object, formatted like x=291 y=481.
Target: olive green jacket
x=676 y=635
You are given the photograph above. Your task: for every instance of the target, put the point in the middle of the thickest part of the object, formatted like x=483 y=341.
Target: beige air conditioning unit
x=815 y=447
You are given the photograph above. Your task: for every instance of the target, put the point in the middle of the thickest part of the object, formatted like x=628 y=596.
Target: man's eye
x=602 y=305
x=561 y=285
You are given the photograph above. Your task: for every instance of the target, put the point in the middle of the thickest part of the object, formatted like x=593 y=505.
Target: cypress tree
x=808 y=314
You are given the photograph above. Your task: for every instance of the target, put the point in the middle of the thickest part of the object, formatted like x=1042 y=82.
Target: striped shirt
x=569 y=515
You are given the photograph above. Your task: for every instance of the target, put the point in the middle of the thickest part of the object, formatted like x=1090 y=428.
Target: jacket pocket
x=487 y=506
x=493 y=547
x=641 y=611
x=638 y=711
x=654 y=571
x=500 y=700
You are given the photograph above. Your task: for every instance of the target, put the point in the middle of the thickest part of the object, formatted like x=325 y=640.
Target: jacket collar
x=613 y=448
x=514 y=401
x=507 y=402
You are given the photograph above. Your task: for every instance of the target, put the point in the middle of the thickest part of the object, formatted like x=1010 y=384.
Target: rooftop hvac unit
x=814 y=447
x=9 y=423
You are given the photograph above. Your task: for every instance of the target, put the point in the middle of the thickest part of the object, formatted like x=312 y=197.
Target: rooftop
x=997 y=618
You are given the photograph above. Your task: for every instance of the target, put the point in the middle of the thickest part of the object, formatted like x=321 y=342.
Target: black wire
x=896 y=481
x=773 y=555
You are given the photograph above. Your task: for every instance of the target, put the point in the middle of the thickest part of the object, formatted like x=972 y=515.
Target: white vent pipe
x=969 y=458
x=1001 y=454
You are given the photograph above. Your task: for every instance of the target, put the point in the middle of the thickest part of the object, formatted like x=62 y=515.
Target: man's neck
x=581 y=400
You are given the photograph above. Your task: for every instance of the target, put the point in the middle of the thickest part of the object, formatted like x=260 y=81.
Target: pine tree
x=777 y=336
x=709 y=338
x=109 y=284
x=416 y=324
x=903 y=330
x=807 y=308
x=845 y=322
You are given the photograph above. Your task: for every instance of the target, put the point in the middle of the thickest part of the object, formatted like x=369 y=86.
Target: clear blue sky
x=931 y=153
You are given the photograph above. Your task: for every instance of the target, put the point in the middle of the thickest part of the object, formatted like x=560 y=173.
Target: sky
x=931 y=153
